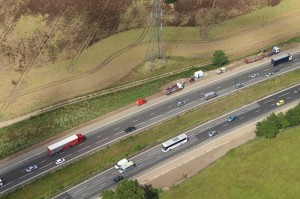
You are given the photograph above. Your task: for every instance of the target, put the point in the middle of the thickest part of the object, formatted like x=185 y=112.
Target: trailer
x=65 y=143
x=281 y=59
x=174 y=88
x=254 y=59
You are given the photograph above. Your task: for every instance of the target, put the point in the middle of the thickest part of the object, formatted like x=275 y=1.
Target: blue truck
x=281 y=59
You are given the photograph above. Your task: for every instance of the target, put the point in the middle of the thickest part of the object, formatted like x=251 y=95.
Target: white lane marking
x=65 y=197
x=139 y=160
x=46 y=165
x=187 y=99
x=43 y=161
x=242 y=118
x=257 y=111
x=192 y=102
x=205 y=128
x=170 y=106
x=219 y=122
x=155 y=117
x=289 y=98
x=218 y=87
x=225 y=124
x=140 y=165
x=266 y=69
x=152 y=113
x=80 y=190
x=268 y=101
x=98 y=136
x=119 y=133
x=272 y=104
x=223 y=90
x=284 y=94
x=117 y=128
x=84 y=194
x=24 y=176
x=134 y=121
x=141 y=123
x=102 y=184
x=171 y=111
x=295 y=59
x=99 y=180
x=68 y=155
x=84 y=148
x=157 y=156
x=153 y=153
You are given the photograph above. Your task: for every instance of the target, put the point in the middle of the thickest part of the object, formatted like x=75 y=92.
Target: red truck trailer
x=65 y=143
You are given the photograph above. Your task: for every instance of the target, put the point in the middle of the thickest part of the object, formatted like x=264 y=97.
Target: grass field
x=119 y=57
x=77 y=171
x=259 y=169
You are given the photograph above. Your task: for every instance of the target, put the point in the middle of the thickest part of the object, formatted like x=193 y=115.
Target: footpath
x=210 y=78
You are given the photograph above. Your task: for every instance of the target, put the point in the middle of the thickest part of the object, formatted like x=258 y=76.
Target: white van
x=210 y=95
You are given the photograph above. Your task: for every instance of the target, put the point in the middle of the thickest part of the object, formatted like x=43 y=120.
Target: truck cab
x=1 y=183
x=120 y=163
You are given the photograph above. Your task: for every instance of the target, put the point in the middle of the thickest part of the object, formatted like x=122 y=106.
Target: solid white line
x=46 y=165
x=84 y=148
x=99 y=180
x=80 y=190
x=284 y=94
x=43 y=161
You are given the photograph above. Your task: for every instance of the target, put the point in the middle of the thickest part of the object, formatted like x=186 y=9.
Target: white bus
x=175 y=142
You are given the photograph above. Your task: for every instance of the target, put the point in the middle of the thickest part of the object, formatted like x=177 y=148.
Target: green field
x=262 y=168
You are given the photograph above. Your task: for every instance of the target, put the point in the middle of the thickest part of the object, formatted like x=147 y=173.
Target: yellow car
x=280 y=102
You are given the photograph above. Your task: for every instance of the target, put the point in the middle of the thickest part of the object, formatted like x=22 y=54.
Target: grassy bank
x=70 y=174
x=262 y=168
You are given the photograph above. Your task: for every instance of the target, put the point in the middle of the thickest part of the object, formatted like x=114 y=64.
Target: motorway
x=155 y=156
x=98 y=138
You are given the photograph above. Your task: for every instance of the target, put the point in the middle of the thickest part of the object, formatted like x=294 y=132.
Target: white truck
x=127 y=166
x=120 y=163
x=1 y=183
x=222 y=70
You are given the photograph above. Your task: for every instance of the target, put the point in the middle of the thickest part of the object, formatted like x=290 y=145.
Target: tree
x=126 y=189
x=219 y=58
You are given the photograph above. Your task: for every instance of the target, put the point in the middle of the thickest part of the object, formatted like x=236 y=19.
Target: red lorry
x=65 y=143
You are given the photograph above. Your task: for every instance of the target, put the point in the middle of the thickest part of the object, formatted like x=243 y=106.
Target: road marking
x=219 y=122
x=98 y=136
x=24 y=176
x=152 y=113
x=272 y=104
x=43 y=161
x=284 y=94
x=114 y=172
x=223 y=90
x=170 y=106
x=102 y=184
x=141 y=123
x=99 y=180
x=140 y=165
x=155 y=117
x=257 y=111
x=242 y=118
x=139 y=160
x=84 y=148
x=268 y=101
x=158 y=156
x=218 y=87
x=205 y=128
x=187 y=99
x=266 y=69
x=289 y=98
x=153 y=153
x=119 y=133
x=134 y=121
x=117 y=128
x=45 y=165
x=84 y=194
x=192 y=102
x=80 y=190
x=225 y=124
x=171 y=111
x=68 y=155
x=65 y=197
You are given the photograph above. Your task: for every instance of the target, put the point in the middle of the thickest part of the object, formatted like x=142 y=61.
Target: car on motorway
x=297 y=90
x=130 y=129
x=60 y=161
x=232 y=118
x=31 y=168
x=117 y=179
x=180 y=103
x=269 y=74
x=255 y=75
x=280 y=102
x=212 y=133
x=239 y=85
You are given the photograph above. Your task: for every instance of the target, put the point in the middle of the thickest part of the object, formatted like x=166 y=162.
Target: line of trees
x=271 y=126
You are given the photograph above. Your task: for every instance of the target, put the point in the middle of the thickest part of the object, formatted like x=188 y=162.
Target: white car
x=60 y=161
x=31 y=168
x=180 y=103
x=212 y=133
x=269 y=74
x=255 y=75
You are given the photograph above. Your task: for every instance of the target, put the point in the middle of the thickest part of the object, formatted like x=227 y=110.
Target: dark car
x=297 y=90
x=130 y=129
x=118 y=178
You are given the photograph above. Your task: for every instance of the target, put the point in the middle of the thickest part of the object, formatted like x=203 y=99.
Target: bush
x=219 y=58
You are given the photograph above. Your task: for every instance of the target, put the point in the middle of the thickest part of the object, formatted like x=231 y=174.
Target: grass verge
x=92 y=164
x=262 y=168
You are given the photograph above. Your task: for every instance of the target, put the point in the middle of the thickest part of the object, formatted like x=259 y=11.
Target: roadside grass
x=261 y=168
x=92 y=164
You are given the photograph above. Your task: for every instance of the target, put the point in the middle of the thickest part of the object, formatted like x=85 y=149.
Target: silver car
x=269 y=74
x=180 y=103
x=212 y=133
x=31 y=168
x=255 y=75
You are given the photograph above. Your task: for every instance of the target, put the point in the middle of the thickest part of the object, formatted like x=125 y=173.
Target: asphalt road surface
x=154 y=156
x=16 y=175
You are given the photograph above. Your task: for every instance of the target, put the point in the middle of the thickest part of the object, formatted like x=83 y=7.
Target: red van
x=140 y=102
